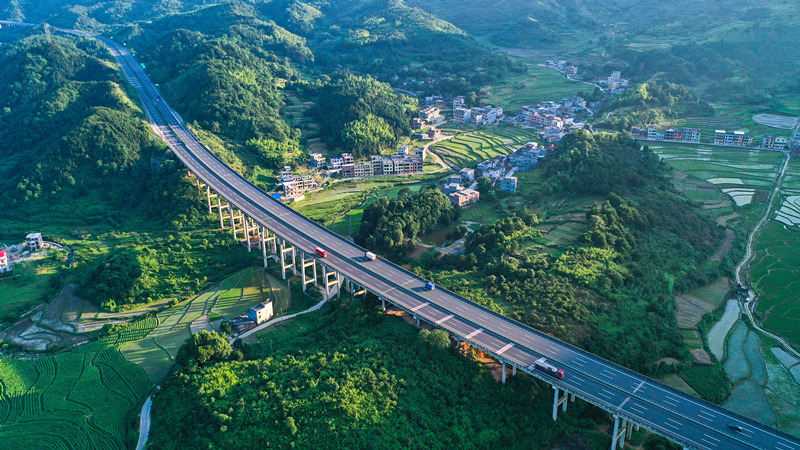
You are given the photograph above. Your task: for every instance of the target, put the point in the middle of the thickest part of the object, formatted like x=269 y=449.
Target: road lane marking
x=705 y=415
x=506 y=347
x=623 y=402
x=784 y=445
x=669 y=419
x=605 y=394
x=418 y=306
x=641 y=383
x=670 y=402
x=438 y=322
x=710 y=437
x=473 y=334
x=635 y=407
x=711 y=444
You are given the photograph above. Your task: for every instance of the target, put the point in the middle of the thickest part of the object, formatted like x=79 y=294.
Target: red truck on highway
x=321 y=253
x=542 y=365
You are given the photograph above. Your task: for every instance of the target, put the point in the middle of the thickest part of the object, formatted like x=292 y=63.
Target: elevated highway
x=633 y=400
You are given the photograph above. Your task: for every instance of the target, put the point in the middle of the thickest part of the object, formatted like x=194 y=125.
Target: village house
x=417 y=123
x=467 y=174
x=295 y=186
x=430 y=114
x=732 y=138
x=4 y=266
x=508 y=184
x=34 y=241
x=464 y=197
x=260 y=313
x=317 y=160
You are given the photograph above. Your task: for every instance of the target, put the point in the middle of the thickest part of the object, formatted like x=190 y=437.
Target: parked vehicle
x=430 y=286
x=370 y=256
x=321 y=253
x=542 y=365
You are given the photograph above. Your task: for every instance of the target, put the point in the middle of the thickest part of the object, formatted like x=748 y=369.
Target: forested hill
x=70 y=130
x=612 y=292
x=737 y=48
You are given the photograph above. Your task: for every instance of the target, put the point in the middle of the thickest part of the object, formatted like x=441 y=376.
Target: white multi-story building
x=34 y=241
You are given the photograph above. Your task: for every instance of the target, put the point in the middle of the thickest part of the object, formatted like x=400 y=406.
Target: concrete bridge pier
x=503 y=377
x=220 y=206
x=209 y=196
x=286 y=265
x=233 y=222
x=559 y=400
x=329 y=283
x=383 y=305
x=303 y=265
x=263 y=244
x=618 y=437
x=247 y=232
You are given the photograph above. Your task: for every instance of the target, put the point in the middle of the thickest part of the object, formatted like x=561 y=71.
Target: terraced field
x=468 y=149
x=77 y=399
x=725 y=180
x=155 y=352
x=775 y=270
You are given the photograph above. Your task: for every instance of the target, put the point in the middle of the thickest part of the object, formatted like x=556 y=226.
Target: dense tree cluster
x=601 y=163
x=612 y=291
x=353 y=378
x=360 y=114
x=388 y=224
x=173 y=266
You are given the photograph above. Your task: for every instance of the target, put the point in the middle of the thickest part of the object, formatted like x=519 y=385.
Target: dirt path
x=749 y=303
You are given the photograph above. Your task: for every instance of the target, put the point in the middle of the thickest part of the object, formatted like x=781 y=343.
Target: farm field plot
x=720 y=177
x=76 y=399
x=775 y=273
x=775 y=269
x=468 y=149
x=156 y=351
x=538 y=84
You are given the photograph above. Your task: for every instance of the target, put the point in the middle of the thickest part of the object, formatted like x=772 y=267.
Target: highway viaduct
x=285 y=236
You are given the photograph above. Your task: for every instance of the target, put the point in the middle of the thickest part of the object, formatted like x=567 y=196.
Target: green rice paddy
x=468 y=149
x=77 y=399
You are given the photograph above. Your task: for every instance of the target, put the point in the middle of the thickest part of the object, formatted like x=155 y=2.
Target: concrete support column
x=305 y=264
x=314 y=266
x=219 y=206
x=283 y=265
x=263 y=245
x=233 y=222
x=503 y=378
x=417 y=319
x=559 y=400
x=628 y=430
x=618 y=437
x=208 y=196
x=294 y=260
x=338 y=285
x=555 y=403
x=514 y=370
x=247 y=232
x=303 y=268
x=325 y=277
x=383 y=305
